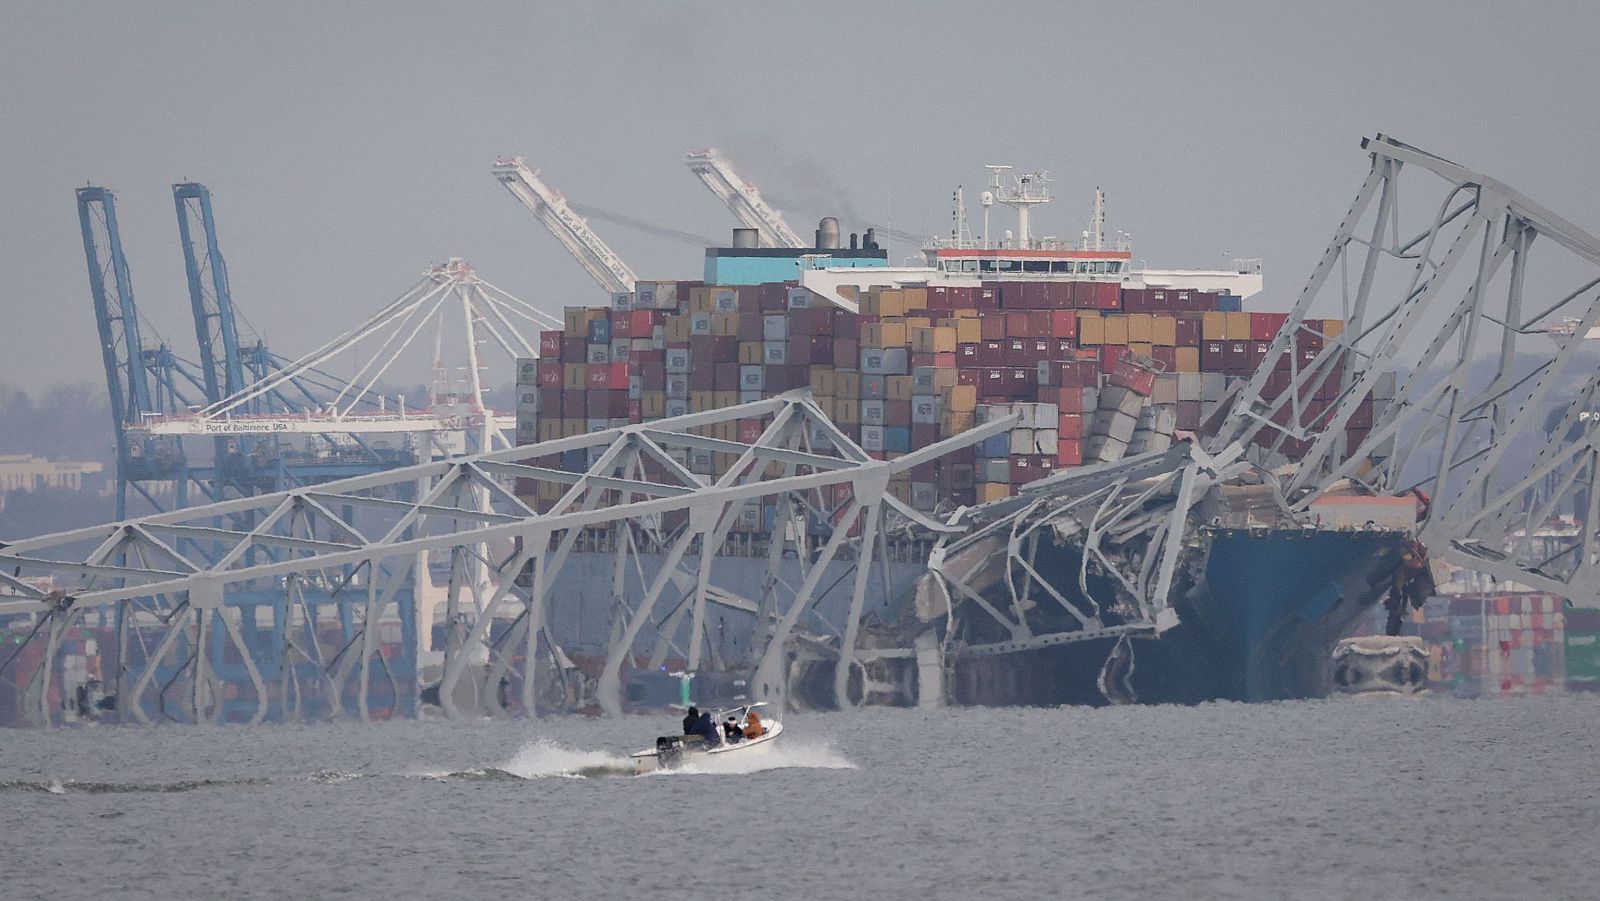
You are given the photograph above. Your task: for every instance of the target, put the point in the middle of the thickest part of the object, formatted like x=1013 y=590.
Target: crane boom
x=215 y=327
x=545 y=202
x=743 y=199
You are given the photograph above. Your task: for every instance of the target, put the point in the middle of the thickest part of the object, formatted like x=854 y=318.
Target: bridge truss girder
x=1452 y=306
x=176 y=581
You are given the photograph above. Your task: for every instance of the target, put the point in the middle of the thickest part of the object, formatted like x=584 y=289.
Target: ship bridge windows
x=1035 y=265
x=1060 y=265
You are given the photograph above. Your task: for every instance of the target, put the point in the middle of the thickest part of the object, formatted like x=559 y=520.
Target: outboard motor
x=669 y=751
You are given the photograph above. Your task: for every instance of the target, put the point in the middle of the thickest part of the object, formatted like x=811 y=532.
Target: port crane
x=571 y=229
x=743 y=199
x=143 y=382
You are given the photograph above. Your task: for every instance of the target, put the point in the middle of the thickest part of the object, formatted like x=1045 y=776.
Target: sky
x=348 y=146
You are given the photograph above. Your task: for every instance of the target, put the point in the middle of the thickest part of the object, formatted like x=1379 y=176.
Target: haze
x=349 y=145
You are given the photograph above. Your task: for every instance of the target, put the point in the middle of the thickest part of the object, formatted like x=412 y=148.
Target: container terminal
x=1022 y=471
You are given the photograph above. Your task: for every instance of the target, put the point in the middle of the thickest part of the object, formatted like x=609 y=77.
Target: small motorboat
x=673 y=751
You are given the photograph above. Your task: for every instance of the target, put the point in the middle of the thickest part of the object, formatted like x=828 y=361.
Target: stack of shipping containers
x=1092 y=369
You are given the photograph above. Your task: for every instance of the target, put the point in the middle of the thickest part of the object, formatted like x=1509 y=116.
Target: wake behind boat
x=712 y=735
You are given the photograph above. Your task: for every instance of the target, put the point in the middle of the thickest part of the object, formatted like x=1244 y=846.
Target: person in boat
x=731 y=731
x=706 y=728
x=753 y=727
x=690 y=719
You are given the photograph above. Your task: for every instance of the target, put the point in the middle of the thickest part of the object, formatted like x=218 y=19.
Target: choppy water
x=1327 y=799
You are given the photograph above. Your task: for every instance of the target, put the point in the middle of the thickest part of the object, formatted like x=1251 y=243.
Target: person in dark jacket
x=690 y=719
x=707 y=727
x=731 y=733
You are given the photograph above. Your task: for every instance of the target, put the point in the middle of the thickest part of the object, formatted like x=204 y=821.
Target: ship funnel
x=828 y=234
x=746 y=238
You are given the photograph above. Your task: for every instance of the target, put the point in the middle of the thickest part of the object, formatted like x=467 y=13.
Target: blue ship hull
x=1259 y=616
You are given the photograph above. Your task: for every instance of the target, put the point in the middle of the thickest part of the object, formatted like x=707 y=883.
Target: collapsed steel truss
x=173 y=581
x=1442 y=383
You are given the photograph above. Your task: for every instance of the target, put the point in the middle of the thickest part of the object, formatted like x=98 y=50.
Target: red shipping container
x=1135 y=300
x=1309 y=335
x=1135 y=378
x=1258 y=353
x=1039 y=324
x=621 y=324
x=1017 y=325
x=1040 y=350
x=944 y=360
x=966 y=354
x=1069 y=425
x=653 y=378
x=1213 y=356
x=575 y=405
x=1111 y=355
x=1157 y=300
x=1189 y=328
x=1060 y=295
x=703 y=376
x=1069 y=452
x=1205 y=301
x=774 y=297
x=992 y=328
x=963 y=298
x=1107 y=296
x=618 y=402
x=1188 y=414
x=574 y=350
x=1063 y=324
x=635 y=410
x=1238 y=357
x=550 y=375
x=619 y=374
x=992 y=353
x=550 y=344
x=969 y=376
x=599 y=376
x=1166 y=356
x=750 y=327
x=550 y=402
x=1063 y=350
x=726 y=378
x=1265 y=326
x=750 y=430
x=846 y=353
x=987 y=298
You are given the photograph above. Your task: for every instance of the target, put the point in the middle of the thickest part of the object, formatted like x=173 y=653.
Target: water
x=1326 y=799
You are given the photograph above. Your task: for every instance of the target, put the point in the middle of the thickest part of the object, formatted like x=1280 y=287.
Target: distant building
x=25 y=472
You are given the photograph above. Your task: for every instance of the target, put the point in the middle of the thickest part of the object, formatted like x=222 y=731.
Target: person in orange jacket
x=753 y=727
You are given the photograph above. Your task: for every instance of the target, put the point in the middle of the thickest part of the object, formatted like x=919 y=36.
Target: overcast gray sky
x=348 y=145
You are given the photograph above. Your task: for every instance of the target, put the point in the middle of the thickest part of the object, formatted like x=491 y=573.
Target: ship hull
x=1258 y=623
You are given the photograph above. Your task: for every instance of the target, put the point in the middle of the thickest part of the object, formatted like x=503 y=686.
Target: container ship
x=1096 y=357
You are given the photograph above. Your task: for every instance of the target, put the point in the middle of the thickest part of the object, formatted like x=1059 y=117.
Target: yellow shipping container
x=846 y=383
x=1332 y=328
x=1091 y=329
x=961 y=398
x=700 y=300
x=702 y=401
x=1187 y=359
x=872 y=335
x=958 y=421
x=826 y=404
x=893 y=333
x=1164 y=331
x=724 y=324
x=750 y=353
x=968 y=331
x=823 y=383
x=574 y=377
x=572 y=428
x=1214 y=326
x=1116 y=330
x=1140 y=328
x=898 y=387
x=724 y=399
x=1238 y=327
x=916 y=298
x=576 y=322
x=846 y=410
x=653 y=404
x=1142 y=348
x=677 y=327
x=549 y=429
x=916 y=322
x=989 y=492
